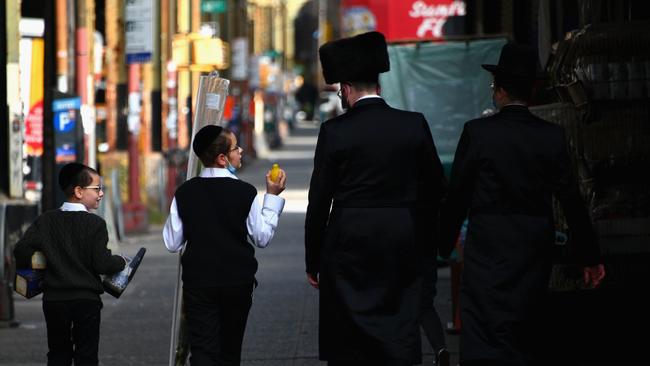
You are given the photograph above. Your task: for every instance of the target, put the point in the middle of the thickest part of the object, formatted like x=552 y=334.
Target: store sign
x=211 y=51
x=139 y=30
x=239 y=64
x=34 y=130
x=430 y=18
x=213 y=6
x=31 y=77
x=400 y=20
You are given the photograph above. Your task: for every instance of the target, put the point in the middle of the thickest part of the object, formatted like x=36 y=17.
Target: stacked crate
x=601 y=75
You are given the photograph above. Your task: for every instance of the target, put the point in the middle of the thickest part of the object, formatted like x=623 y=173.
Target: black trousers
x=486 y=363
x=72 y=331
x=216 y=320
x=429 y=318
x=370 y=363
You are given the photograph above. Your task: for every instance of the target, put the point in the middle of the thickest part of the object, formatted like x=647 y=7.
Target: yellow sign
x=200 y=53
x=211 y=51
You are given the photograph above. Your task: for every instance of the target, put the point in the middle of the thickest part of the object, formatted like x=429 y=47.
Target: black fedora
x=517 y=61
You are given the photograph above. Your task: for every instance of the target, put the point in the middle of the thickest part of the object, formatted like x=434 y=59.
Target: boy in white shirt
x=74 y=242
x=212 y=217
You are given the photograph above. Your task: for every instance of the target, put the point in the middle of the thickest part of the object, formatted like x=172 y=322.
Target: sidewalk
x=283 y=324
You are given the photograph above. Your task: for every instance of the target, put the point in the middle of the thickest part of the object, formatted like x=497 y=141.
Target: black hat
x=515 y=61
x=358 y=58
x=205 y=137
x=68 y=174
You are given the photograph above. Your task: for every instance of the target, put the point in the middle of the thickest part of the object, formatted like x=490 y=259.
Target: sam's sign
x=400 y=20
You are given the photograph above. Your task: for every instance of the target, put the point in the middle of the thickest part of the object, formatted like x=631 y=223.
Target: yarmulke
x=68 y=173
x=205 y=137
x=359 y=58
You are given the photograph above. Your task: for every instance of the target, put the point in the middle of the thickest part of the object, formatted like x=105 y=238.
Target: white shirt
x=71 y=206
x=261 y=222
x=370 y=96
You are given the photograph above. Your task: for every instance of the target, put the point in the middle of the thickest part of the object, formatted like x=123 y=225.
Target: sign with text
x=139 y=30
x=66 y=130
x=400 y=20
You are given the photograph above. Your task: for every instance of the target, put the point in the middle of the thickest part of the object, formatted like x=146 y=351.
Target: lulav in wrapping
x=210 y=102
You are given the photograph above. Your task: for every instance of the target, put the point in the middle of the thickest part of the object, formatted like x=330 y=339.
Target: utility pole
x=134 y=122
x=12 y=110
x=50 y=186
x=63 y=42
x=82 y=61
x=169 y=95
x=4 y=110
x=172 y=129
x=184 y=85
x=135 y=213
x=138 y=29
x=322 y=26
x=156 y=76
x=116 y=85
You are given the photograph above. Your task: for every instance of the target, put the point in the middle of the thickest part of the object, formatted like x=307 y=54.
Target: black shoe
x=441 y=357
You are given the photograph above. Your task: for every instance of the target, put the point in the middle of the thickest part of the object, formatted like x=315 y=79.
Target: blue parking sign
x=64 y=121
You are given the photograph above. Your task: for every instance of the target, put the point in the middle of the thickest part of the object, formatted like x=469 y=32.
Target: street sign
x=213 y=6
x=239 y=64
x=211 y=52
x=139 y=30
x=65 y=129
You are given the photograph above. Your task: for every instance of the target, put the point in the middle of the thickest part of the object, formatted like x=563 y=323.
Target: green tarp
x=445 y=82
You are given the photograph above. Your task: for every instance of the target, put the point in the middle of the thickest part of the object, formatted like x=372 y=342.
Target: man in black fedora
x=507 y=168
x=378 y=170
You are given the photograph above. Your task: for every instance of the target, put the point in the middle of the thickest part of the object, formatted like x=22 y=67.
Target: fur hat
x=68 y=174
x=358 y=58
x=205 y=137
x=515 y=61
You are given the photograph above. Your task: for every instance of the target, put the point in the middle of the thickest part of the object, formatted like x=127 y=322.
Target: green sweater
x=74 y=244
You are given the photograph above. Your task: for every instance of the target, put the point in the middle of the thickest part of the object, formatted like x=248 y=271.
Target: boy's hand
x=276 y=187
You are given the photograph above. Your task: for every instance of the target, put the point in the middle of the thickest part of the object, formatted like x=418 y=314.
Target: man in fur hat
x=506 y=169
x=378 y=170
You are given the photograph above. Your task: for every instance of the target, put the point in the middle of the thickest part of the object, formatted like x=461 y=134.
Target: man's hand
x=593 y=275
x=276 y=188
x=313 y=280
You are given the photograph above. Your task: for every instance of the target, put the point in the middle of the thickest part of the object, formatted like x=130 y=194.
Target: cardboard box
x=29 y=282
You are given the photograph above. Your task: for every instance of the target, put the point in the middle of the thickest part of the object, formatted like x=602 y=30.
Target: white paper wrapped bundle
x=210 y=102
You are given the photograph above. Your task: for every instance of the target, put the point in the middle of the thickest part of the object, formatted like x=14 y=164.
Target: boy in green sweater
x=74 y=242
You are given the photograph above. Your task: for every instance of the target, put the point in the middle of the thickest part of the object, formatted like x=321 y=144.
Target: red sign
x=399 y=20
x=34 y=130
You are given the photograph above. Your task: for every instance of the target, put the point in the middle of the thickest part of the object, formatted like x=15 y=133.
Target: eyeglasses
x=340 y=92
x=238 y=148
x=96 y=188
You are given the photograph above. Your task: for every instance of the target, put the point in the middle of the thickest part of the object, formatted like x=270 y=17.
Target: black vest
x=214 y=212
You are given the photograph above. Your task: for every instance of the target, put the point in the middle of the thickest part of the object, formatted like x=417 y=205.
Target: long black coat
x=378 y=170
x=506 y=169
